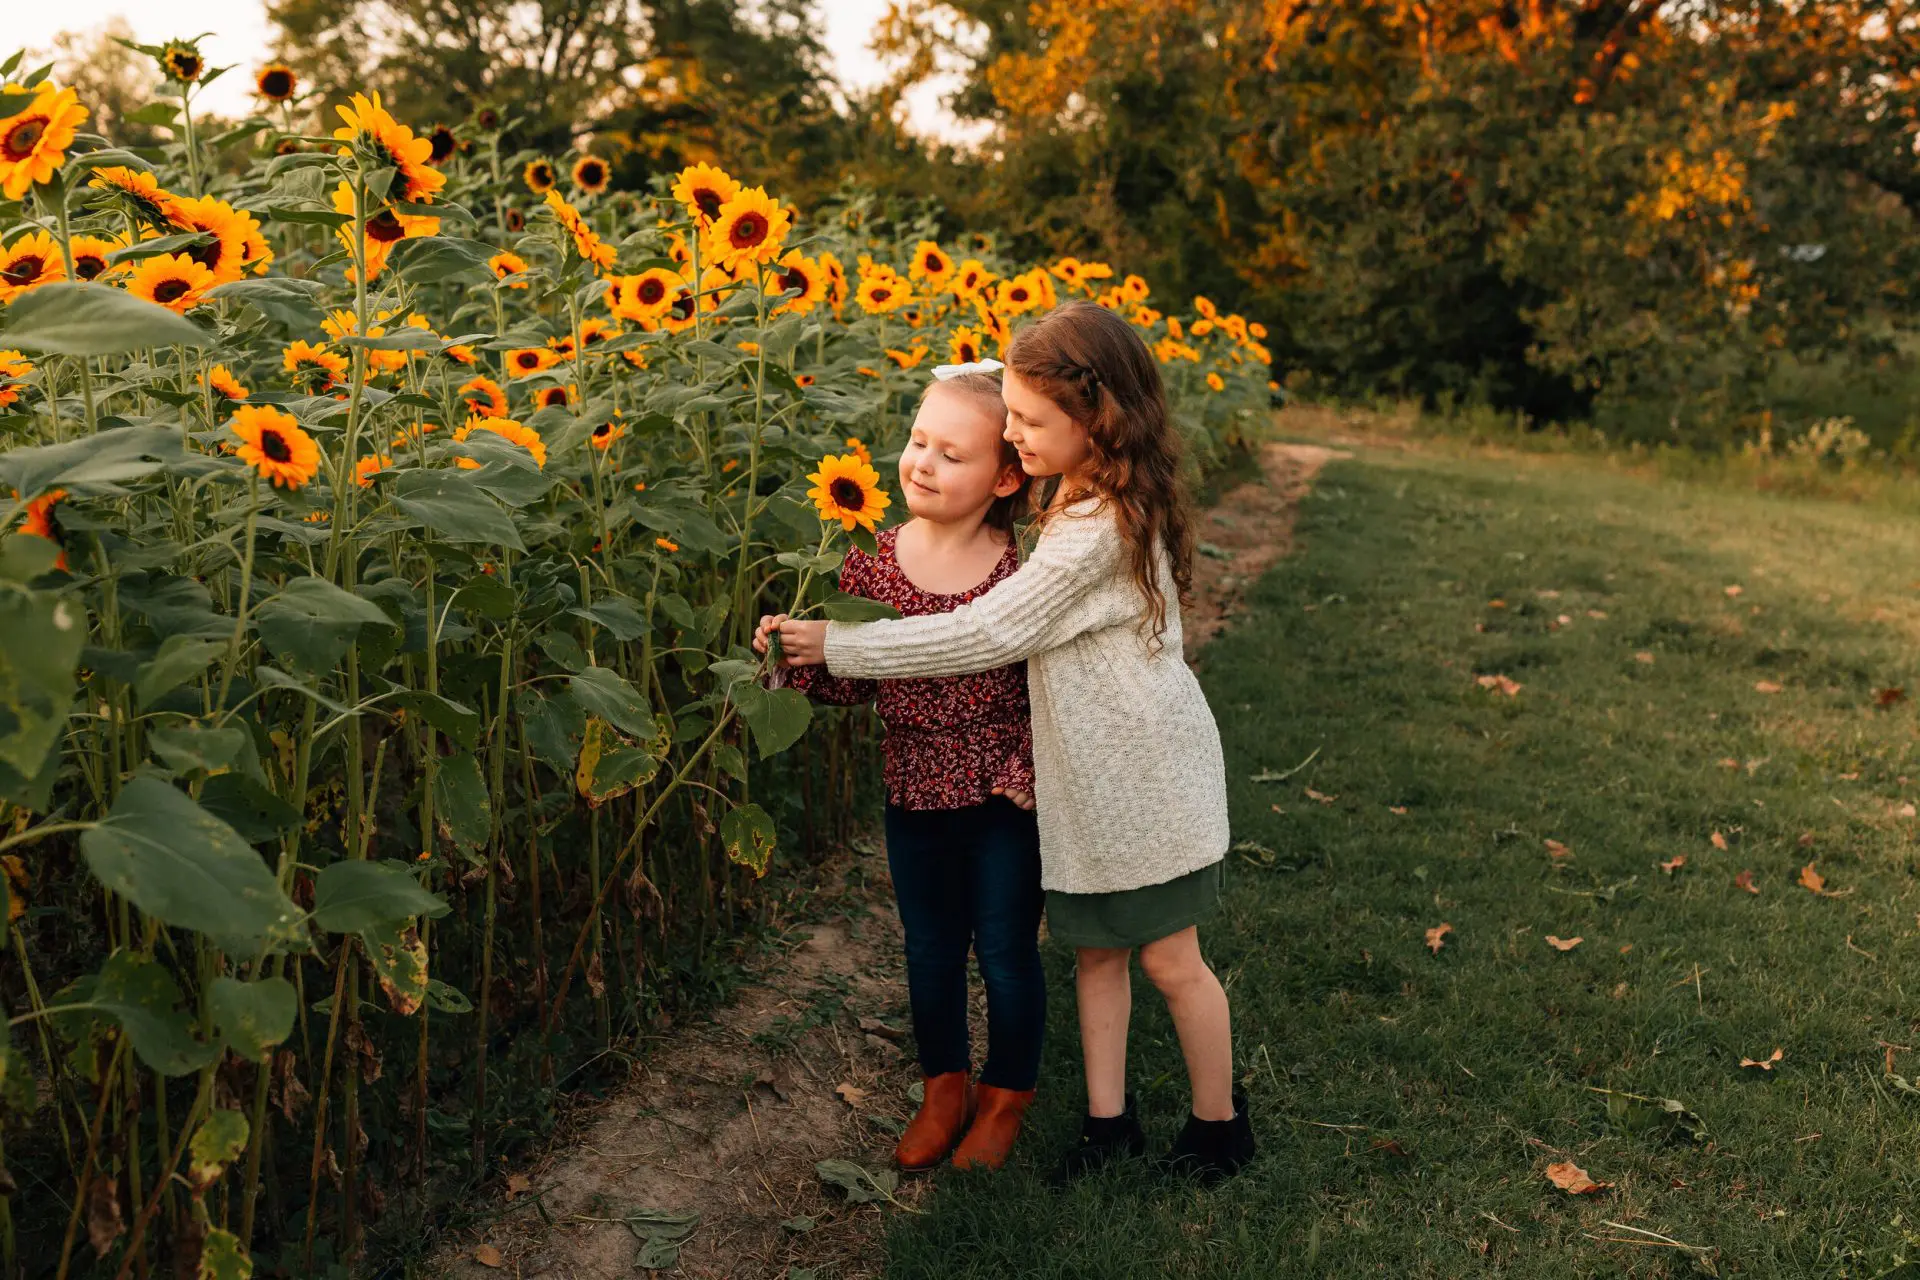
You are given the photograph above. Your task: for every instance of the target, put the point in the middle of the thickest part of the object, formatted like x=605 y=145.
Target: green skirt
x=1134 y=917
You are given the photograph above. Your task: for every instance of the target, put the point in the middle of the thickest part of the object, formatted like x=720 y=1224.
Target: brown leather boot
x=995 y=1126
x=945 y=1109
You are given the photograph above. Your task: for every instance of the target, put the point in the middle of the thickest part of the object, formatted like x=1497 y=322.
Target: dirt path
x=727 y=1120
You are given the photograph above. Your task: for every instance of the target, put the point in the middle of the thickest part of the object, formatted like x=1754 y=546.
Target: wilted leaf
x=861 y=1186
x=1767 y=686
x=1499 y=684
x=1321 y=797
x=1437 y=936
x=1766 y=1063
x=850 y=1094
x=104 y=1223
x=223 y=1257
x=518 y=1184
x=1674 y=863
x=399 y=960
x=488 y=1256
x=1745 y=881
x=1573 y=1180
x=1564 y=944
x=747 y=834
x=217 y=1143
x=1557 y=850
x=1717 y=840
x=1812 y=880
x=1884 y=698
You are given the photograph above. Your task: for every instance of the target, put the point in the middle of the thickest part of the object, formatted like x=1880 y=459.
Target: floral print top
x=950 y=739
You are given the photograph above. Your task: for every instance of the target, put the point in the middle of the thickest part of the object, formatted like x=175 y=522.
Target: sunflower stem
x=246 y=592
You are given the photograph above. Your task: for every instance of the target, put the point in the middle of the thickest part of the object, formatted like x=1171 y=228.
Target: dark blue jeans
x=969 y=880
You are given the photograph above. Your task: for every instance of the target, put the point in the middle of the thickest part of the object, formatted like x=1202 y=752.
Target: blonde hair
x=985 y=387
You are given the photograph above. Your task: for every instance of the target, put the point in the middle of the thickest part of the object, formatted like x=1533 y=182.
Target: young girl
x=961 y=839
x=1130 y=781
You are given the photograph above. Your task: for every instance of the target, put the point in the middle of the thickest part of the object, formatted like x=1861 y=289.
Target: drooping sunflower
x=14 y=368
x=524 y=362
x=930 y=266
x=970 y=278
x=539 y=176
x=273 y=444
x=507 y=429
x=442 y=142
x=848 y=490
x=222 y=383
x=139 y=191
x=90 y=257
x=964 y=346
x=391 y=144
x=370 y=466
x=804 y=276
x=704 y=190
x=313 y=367
x=591 y=175
x=1216 y=382
x=182 y=61
x=173 y=280
x=555 y=397
x=880 y=293
x=751 y=228
x=276 y=82
x=34 y=142
x=506 y=266
x=907 y=359
x=586 y=242
x=484 y=398
x=32 y=260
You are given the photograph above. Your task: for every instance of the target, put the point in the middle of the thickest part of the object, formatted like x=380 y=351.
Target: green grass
x=1480 y=1065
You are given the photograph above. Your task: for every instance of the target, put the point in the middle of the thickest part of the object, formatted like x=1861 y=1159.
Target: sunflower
x=704 y=190
x=14 y=368
x=605 y=434
x=1134 y=289
x=1095 y=271
x=594 y=331
x=1017 y=296
x=1145 y=317
x=679 y=315
x=40 y=523
x=1174 y=328
x=858 y=447
x=173 y=280
x=848 y=490
x=31 y=261
x=276 y=82
x=507 y=429
x=1216 y=382
x=484 y=398
x=385 y=229
x=970 y=278
x=836 y=280
x=442 y=142
x=314 y=367
x=505 y=266
x=1068 y=269
x=881 y=293
x=226 y=251
x=750 y=229
x=586 y=242
x=803 y=380
x=1200 y=328
x=931 y=266
x=90 y=257
x=139 y=191
x=368 y=467
x=591 y=175
x=273 y=444
x=666 y=544
x=1257 y=330
x=798 y=274
x=222 y=383
x=516 y=221
x=679 y=250
x=964 y=346
x=539 y=176
x=394 y=146
x=34 y=142
x=524 y=362
x=638 y=359
x=182 y=61
x=555 y=397
x=1205 y=307
x=907 y=359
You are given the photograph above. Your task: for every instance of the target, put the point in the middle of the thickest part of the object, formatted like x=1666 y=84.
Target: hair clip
x=945 y=371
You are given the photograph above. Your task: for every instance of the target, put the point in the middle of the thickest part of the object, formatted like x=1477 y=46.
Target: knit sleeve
x=1070 y=586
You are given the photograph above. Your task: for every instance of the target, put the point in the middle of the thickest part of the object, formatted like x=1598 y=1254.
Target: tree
x=113 y=80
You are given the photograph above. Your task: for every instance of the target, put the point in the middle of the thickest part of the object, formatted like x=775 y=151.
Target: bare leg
x=1200 y=1016
x=1106 y=1000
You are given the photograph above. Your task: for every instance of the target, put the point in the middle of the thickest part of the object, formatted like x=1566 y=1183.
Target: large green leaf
x=448 y=503
x=841 y=607
x=777 y=717
x=107 y=458
x=185 y=867
x=252 y=1017
x=185 y=748
x=460 y=808
x=609 y=768
x=41 y=635
x=72 y=319
x=180 y=659
x=293 y=303
x=617 y=614
x=605 y=694
x=554 y=724
x=455 y=719
x=430 y=258
x=747 y=834
x=354 y=895
x=255 y=813
x=311 y=622
x=137 y=992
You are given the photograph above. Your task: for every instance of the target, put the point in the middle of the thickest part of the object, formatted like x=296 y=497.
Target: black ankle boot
x=1211 y=1151
x=1104 y=1140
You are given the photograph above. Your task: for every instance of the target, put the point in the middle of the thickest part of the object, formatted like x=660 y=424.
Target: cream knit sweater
x=1130 y=784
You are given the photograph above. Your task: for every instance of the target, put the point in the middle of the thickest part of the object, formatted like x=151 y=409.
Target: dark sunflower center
x=683 y=306
x=592 y=336
x=529 y=361
x=708 y=202
x=87 y=266
x=274 y=445
x=1018 y=295
x=794 y=279
x=385 y=227
x=592 y=175
x=553 y=396
x=516 y=221
x=848 y=493
x=882 y=293
x=967 y=354
x=542 y=176
x=443 y=144
x=23 y=271
x=169 y=290
x=933 y=263
x=208 y=255
x=489 y=118
x=650 y=292
x=23 y=138
x=602 y=431
x=748 y=230
x=277 y=84
x=186 y=66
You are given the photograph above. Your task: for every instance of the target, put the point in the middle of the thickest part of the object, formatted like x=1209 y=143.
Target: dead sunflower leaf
x=1717 y=840
x=1437 y=936
x=1674 y=863
x=1767 y=686
x=1812 y=880
x=1557 y=850
x=1564 y=944
x=1499 y=684
x=1766 y=1063
x=488 y=1256
x=851 y=1094
x=1884 y=698
x=1745 y=881
x=1321 y=797
x=1573 y=1180
x=518 y=1184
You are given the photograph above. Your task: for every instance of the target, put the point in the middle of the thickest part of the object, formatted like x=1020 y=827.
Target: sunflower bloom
x=539 y=176
x=605 y=434
x=368 y=467
x=1134 y=289
x=183 y=62
x=1200 y=328
x=848 y=490
x=930 y=266
x=14 y=368
x=1216 y=383
x=139 y=190
x=226 y=255
x=907 y=359
x=32 y=260
x=751 y=228
x=704 y=190
x=591 y=175
x=524 y=362
x=594 y=331
x=881 y=293
x=173 y=280
x=385 y=229
x=666 y=544
x=836 y=281
x=274 y=445
x=1019 y=295
x=484 y=398
x=1205 y=307
x=34 y=142
x=442 y=142
x=276 y=82
x=964 y=346
x=798 y=274
x=40 y=522
x=556 y=397
x=505 y=266
x=858 y=447
x=90 y=254
x=314 y=367
x=969 y=278
x=222 y=383
x=586 y=242
x=507 y=429
x=370 y=126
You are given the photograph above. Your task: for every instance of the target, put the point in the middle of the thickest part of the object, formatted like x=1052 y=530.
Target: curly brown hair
x=1093 y=364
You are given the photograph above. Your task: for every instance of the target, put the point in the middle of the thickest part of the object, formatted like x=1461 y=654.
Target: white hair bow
x=945 y=371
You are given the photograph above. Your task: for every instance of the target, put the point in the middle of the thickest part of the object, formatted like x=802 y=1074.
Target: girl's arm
x=1066 y=589
x=815 y=681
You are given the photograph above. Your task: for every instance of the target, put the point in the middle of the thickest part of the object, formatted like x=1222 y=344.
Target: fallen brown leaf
x=1806 y=839
x=1734 y=591
x=1766 y=1063
x=1391 y=1147
x=1767 y=686
x=1563 y=944
x=518 y=1184
x=488 y=1256
x=1884 y=698
x=851 y=1094
x=1674 y=863
x=1573 y=1180
x=1500 y=684
x=1728 y=762
x=1812 y=880
x=1717 y=840
x=1598 y=615
x=1645 y=656
x=1321 y=797
x=1557 y=850
x=1745 y=881
x=1437 y=936
x=1397 y=808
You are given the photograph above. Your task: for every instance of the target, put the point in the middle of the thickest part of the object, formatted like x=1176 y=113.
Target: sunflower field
x=384 y=518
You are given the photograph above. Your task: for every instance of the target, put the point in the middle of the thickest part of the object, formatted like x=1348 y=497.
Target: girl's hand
x=803 y=643
x=1022 y=798
x=769 y=623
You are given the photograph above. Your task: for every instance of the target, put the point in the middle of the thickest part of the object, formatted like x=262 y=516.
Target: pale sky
x=241 y=36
